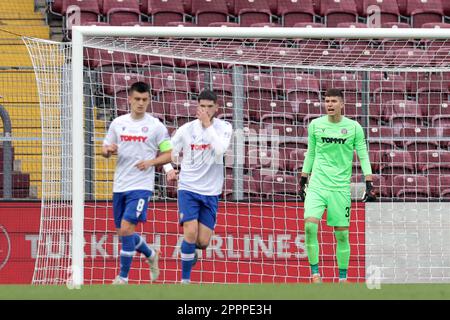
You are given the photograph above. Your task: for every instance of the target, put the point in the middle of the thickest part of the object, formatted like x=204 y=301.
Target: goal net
x=270 y=84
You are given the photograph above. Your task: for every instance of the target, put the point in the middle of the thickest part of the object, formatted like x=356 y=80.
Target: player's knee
x=311 y=229
x=202 y=245
x=341 y=235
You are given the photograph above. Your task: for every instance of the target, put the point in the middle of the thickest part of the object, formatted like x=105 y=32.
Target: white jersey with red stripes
x=136 y=140
x=203 y=150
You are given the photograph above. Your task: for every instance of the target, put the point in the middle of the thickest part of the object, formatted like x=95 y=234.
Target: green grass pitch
x=228 y=292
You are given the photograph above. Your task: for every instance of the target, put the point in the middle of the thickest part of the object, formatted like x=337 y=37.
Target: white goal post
x=139 y=40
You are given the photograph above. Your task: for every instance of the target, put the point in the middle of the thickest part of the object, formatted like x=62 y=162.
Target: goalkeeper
x=332 y=140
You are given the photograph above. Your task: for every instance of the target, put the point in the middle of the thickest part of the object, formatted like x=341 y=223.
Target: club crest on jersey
x=144 y=129
x=344 y=131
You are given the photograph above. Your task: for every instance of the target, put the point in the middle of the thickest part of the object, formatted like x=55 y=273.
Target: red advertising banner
x=252 y=242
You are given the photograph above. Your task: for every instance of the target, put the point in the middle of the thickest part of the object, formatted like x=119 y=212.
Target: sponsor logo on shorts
x=181 y=216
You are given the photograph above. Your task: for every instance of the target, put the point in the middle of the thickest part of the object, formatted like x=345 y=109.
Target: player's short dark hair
x=207 y=95
x=334 y=93
x=140 y=87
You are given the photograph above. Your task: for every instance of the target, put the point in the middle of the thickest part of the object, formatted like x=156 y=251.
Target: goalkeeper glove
x=302 y=188
x=369 y=194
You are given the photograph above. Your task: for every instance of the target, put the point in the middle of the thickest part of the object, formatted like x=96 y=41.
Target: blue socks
x=187 y=257
x=141 y=246
x=126 y=255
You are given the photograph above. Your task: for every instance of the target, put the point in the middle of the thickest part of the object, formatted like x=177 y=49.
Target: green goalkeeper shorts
x=337 y=203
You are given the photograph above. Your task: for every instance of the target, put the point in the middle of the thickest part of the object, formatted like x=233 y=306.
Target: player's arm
x=165 y=149
x=309 y=159
x=363 y=156
x=220 y=141
x=177 y=142
x=109 y=146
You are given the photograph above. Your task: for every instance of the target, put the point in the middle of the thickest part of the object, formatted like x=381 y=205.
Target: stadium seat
x=298 y=86
x=402 y=113
x=293 y=159
x=444 y=185
x=407 y=57
x=156 y=63
x=388 y=9
x=261 y=91
x=280 y=186
x=419 y=138
x=209 y=11
x=250 y=11
x=395 y=25
x=440 y=122
x=433 y=162
x=251 y=188
x=397 y=162
x=287 y=129
x=336 y=11
x=432 y=97
x=424 y=11
x=402 y=4
x=118 y=12
x=170 y=86
x=292 y=12
x=411 y=187
x=109 y=60
x=158 y=110
x=182 y=111
x=89 y=10
x=115 y=82
x=380 y=138
x=164 y=11
x=221 y=84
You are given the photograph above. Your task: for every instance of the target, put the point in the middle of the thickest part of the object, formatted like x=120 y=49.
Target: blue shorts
x=194 y=206
x=131 y=206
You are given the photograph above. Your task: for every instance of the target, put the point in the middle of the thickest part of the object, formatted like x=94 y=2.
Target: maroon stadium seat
x=292 y=12
x=182 y=111
x=280 y=186
x=261 y=91
x=89 y=9
x=118 y=12
x=251 y=187
x=294 y=160
x=433 y=162
x=106 y=59
x=401 y=113
x=208 y=11
x=250 y=12
x=419 y=138
x=411 y=187
x=336 y=11
x=397 y=162
x=115 y=82
x=388 y=9
x=164 y=11
x=170 y=86
x=423 y=11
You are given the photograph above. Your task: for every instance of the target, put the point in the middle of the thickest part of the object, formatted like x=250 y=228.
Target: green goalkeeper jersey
x=330 y=153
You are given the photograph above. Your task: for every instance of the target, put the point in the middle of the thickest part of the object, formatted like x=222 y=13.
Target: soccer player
x=203 y=143
x=332 y=140
x=136 y=138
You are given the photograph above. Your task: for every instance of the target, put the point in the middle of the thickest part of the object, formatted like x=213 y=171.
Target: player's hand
x=369 y=194
x=110 y=149
x=172 y=175
x=203 y=116
x=144 y=164
x=302 y=192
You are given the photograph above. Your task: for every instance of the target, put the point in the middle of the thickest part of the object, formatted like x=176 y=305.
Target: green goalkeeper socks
x=312 y=244
x=342 y=251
